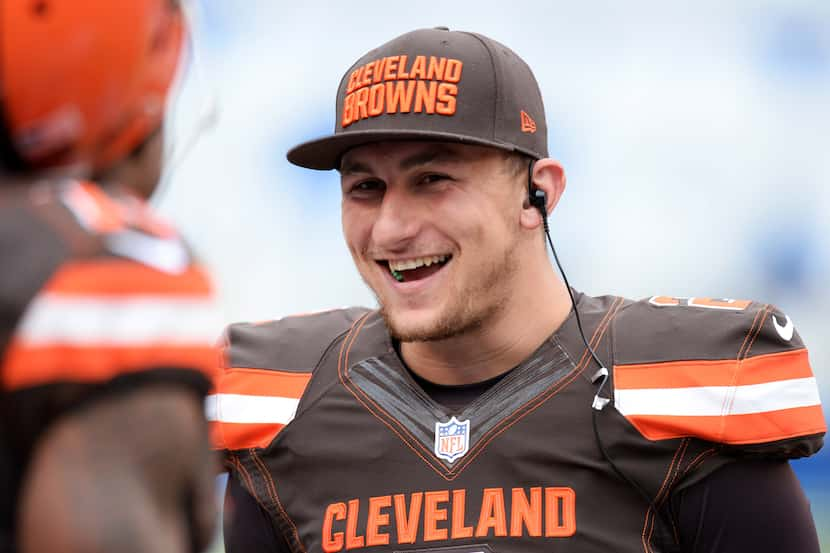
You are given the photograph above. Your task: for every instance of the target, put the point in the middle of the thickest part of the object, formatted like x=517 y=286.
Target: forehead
x=404 y=155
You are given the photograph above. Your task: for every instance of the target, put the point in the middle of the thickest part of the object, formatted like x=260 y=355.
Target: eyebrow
x=430 y=155
x=352 y=167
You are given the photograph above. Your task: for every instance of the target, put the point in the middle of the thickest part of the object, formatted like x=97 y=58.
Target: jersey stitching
x=757 y=332
x=749 y=332
x=555 y=388
x=728 y=399
x=346 y=381
x=668 y=492
x=734 y=390
x=247 y=477
x=648 y=524
x=272 y=490
x=521 y=412
x=699 y=459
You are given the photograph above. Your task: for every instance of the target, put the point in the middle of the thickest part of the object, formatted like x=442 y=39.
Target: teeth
x=408 y=264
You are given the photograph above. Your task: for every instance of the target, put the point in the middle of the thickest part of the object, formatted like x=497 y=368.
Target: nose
x=397 y=221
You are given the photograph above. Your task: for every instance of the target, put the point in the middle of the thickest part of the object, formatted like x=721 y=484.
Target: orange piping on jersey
x=415 y=446
x=767 y=426
x=342 y=359
x=272 y=489
x=33 y=365
x=750 y=331
x=662 y=493
x=118 y=277
x=770 y=367
x=555 y=388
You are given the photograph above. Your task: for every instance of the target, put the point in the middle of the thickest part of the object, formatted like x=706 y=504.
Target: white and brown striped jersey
x=96 y=293
x=327 y=430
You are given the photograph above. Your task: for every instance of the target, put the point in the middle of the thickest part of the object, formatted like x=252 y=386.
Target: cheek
x=356 y=229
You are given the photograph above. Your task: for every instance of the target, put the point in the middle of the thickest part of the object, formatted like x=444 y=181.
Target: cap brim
x=325 y=153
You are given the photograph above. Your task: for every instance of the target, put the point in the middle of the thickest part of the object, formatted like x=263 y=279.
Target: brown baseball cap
x=434 y=84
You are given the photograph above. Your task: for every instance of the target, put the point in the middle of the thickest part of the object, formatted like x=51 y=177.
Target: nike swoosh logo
x=785 y=330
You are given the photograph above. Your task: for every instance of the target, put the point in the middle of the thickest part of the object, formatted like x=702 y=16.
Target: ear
x=548 y=175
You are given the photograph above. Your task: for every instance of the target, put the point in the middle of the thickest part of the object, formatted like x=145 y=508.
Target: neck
x=533 y=313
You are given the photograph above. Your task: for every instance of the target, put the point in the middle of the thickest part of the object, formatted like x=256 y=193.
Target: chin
x=407 y=326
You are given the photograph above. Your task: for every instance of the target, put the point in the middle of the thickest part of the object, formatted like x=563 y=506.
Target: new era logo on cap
x=528 y=124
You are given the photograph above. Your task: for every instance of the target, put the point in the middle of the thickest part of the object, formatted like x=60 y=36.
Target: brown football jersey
x=96 y=293
x=326 y=428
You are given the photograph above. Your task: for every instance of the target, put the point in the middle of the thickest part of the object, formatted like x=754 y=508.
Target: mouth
x=416 y=268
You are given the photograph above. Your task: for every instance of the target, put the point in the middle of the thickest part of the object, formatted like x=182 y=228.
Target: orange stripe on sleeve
x=768 y=426
x=251 y=406
x=27 y=366
x=122 y=277
x=686 y=374
x=234 y=436
x=262 y=382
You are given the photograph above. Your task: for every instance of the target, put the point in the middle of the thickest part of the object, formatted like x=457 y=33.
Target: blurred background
x=695 y=136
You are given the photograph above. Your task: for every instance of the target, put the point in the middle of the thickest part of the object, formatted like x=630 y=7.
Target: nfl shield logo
x=452 y=439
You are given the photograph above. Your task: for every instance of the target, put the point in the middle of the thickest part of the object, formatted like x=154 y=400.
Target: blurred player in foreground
x=487 y=406
x=106 y=321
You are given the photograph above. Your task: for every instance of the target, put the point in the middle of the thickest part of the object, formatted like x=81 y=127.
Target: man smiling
x=486 y=406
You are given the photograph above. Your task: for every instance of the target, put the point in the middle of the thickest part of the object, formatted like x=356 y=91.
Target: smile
x=416 y=268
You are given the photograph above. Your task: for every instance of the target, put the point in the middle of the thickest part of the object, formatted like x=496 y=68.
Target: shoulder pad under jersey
x=266 y=369
x=72 y=310
x=733 y=372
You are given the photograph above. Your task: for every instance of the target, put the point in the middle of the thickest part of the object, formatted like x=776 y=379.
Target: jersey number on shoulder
x=709 y=303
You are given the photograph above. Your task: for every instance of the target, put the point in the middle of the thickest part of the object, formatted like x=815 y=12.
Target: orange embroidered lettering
x=425 y=93
x=419 y=68
x=361 y=99
x=402 y=74
x=560 y=512
x=527 y=513
x=376 y=97
x=348 y=110
x=399 y=96
x=353 y=540
x=376 y=520
x=452 y=74
x=333 y=542
x=435 y=70
x=446 y=98
x=407 y=523
x=391 y=68
x=459 y=530
x=493 y=514
x=433 y=514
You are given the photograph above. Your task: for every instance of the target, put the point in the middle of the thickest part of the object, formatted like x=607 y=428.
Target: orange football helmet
x=83 y=83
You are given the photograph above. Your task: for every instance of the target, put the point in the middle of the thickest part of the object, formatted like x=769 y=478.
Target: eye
x=432 y=178
x=365 y=188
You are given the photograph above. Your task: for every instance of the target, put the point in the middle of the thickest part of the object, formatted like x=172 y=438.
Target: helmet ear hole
x=40 y=7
